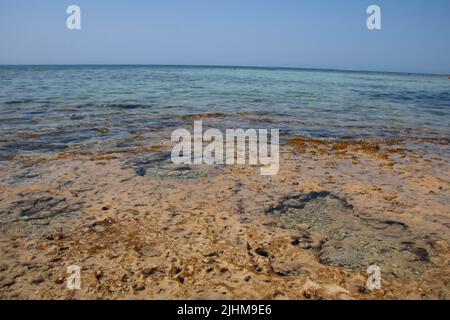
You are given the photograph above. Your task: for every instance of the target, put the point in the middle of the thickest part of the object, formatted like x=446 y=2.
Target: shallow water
x=63 y=108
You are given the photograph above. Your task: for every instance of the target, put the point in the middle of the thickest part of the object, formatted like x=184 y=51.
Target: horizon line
x=218 y=66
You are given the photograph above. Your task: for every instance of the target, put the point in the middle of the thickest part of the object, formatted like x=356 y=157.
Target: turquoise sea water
x=62 y=108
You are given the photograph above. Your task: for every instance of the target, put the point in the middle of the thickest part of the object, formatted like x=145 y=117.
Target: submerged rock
x=349 y=239
x=312 y=210
x=161 y=166
x=141 y=171
x=343 y=257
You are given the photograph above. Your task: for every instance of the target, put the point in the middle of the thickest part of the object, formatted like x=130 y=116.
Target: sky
x=327 y=34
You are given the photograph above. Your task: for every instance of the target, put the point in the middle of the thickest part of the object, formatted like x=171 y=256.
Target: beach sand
x=141 y=228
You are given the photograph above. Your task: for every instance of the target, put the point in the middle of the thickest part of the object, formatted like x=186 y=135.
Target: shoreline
x=164 y=235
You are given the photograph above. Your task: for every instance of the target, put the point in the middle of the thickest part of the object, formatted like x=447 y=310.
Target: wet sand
x=141 y=228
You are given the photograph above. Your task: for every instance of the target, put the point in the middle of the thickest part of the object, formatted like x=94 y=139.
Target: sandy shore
x=141 y=228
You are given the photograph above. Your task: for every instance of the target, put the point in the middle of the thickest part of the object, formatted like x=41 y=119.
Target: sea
x=51 y=109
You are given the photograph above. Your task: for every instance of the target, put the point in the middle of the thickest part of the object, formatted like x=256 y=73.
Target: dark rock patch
x=42 y=206
x=261 y=252
x=341 y=237
x=141 y=171
x=312 y=210
x=395 y=223
x=162 y=167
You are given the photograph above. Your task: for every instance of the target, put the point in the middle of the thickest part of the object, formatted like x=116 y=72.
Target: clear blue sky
x=286 y=33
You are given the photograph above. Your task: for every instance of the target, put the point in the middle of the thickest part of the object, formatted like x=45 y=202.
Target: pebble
x=38 y=280
x=141 y=171
x=140 y=287
x=98 y=275
x=304 y=226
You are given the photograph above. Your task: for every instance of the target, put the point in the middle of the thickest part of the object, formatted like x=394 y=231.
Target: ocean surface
x=45 y=109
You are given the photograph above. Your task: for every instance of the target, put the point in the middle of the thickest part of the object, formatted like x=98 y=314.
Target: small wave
x=11 y=102
x=418 y=96
x=127 y=106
